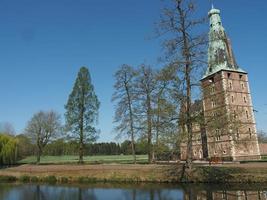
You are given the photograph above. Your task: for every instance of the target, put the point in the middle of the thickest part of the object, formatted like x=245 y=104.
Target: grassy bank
x=122 y=159
x=247 y=173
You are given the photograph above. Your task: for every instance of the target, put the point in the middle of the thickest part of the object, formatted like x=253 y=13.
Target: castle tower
x=228 y=111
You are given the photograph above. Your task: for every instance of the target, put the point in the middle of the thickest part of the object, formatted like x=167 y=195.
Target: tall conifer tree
x=82 y=110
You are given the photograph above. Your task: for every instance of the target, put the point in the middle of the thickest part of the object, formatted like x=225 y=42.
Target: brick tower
x=228 y=111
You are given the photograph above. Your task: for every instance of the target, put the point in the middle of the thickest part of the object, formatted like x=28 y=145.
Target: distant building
x=229 y=130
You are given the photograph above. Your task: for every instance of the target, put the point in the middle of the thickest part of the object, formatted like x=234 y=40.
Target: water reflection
x=227 y=195
x=45 y=192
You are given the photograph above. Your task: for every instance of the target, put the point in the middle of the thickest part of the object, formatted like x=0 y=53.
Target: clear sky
x=44 y=43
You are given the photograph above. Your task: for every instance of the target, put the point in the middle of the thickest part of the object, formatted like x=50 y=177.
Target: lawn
x=124 y=159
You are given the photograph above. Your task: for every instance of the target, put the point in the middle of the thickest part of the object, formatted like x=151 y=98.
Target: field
x=122 y=159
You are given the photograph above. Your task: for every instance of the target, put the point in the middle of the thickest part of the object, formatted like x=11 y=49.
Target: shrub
x=24 y=179
x=50 y=179
x=64 y=180
x=8 y=179
x=34 y=179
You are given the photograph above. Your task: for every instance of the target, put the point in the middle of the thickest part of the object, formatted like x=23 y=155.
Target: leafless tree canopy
x=42 y=128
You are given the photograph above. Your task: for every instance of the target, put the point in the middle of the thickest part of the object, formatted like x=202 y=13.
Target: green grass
x=123 y=159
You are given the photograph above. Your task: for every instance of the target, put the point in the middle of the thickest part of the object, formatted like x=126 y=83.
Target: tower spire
x=220 y=53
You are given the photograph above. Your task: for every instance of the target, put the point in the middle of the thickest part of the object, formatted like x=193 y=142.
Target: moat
x=132 y=192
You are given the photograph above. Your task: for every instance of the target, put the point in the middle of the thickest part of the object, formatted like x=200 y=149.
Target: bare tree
x=42 y=128
x=262 y=136
x=8 y=128
x=165 y=109
x=184 y=49
x=145 y=86
x=125 y=96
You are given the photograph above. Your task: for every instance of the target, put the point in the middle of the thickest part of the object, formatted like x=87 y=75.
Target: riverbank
x=227 y=173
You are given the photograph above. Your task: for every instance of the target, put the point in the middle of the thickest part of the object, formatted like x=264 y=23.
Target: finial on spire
x=212 y=5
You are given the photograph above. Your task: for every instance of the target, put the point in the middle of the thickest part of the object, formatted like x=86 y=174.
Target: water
x=132 y=192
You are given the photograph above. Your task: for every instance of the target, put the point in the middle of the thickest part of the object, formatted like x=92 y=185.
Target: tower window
x=230 y=85
x=212 y=88
x=250 y=133
x=242 y=86
x=240 y=76
x=235 y=114
x=218 y=137
x=210 y=69
x=245 y=100
x=228 y=75
x=247 y=114
x=213 y=103
x=232 y=98
x=211 y=80
x=237 y=133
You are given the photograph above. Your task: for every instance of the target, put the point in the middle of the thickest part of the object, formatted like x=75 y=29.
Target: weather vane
x=211 y=2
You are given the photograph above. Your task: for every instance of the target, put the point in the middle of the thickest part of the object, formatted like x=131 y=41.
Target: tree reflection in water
x=46 y=192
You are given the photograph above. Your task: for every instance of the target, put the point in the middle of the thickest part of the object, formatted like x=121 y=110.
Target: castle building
x=230 y=129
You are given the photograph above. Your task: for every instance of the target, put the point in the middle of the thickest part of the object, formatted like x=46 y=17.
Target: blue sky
x=44 y=43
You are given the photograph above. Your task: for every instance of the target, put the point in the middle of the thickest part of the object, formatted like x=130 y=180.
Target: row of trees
x=146 y=106
x=157 y=105
x=148 y=101
x=60 y=147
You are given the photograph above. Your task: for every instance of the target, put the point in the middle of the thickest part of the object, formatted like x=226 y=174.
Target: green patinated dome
x=220 y=53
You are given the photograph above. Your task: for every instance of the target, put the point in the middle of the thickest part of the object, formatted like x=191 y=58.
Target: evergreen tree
x=82 y=111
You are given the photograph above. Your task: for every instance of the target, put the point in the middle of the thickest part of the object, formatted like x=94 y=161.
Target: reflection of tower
x=231 y=128
x=229 y=195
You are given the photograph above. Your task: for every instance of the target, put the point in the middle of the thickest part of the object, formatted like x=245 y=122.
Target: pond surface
x=131 y=192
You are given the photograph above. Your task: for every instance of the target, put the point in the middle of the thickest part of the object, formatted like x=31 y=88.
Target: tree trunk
x=186 y=54
x=81 y=147
x=157 y=125
x=131 y=122
x=38 y=154
x=149 y=130
x=81 y=139
x=81 y=130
